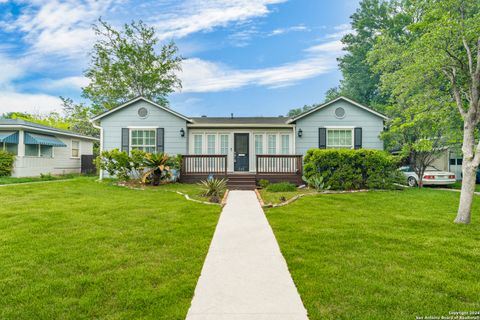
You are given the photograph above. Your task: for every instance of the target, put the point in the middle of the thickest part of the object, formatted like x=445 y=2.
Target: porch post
x=21 y=143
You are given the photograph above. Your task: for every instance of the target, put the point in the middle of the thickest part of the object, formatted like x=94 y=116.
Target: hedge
x=6 y=163
x=345 y=169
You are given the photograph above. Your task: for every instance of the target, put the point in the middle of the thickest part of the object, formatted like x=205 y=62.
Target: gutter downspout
x=101 y=144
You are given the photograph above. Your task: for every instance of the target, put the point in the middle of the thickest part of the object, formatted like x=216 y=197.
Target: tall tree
x=439 y=57
x=371 y=20
x=127 y=63
x=78 y=116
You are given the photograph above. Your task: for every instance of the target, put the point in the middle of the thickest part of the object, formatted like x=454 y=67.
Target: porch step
x=241 y=182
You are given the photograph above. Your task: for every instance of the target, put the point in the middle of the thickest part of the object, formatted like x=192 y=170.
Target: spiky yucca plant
x=213 y=187
x=157 y=167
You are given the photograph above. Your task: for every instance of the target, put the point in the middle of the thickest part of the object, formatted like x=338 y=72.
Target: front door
x=241 y=152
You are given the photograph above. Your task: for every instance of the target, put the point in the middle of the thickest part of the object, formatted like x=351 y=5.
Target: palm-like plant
x=157 y=167
x=213 y=187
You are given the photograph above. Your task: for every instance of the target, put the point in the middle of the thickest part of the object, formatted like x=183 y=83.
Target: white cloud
x=199 y=15
x=340 y=31
x=280 y=31
x=68 y=82
x=332 y=46
x=60 y=27
x=10 y=70
x=205 y=76
x=26 y=102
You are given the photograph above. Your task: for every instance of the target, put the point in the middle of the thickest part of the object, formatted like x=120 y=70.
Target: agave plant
x=316 y=181
x=213 y=187
x=157 y=167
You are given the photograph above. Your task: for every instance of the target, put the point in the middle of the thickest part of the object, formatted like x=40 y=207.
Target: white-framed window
x=211 y=144
x=143 y=139
x=272 y=144
x=37 y=150
x=339 y=138
x=10 y=147
x=285 y=146
x=75 y=152
x=224 y=144
x=258 y=144
x=197 y=143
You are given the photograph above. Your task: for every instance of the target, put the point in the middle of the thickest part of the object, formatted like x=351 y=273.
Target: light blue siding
x=371 y=124
x=113 y=123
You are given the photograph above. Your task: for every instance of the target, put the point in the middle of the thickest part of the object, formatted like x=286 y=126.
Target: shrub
x=353 y=169
x=6 y=163
x=46 y=176
x=316 y=181
x=213 y=187
x=263 y=183
x=121 y=164
x=281 y=187
x=157 y=168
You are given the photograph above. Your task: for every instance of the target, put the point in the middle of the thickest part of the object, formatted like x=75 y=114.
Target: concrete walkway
x=245 y=275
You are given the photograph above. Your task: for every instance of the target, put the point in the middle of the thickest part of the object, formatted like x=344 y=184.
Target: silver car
x=431 y=176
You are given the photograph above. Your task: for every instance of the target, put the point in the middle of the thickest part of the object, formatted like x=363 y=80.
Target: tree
x=78 y=117
x=125 y=64
x=52 y=119
x=295 y=112
x=438 y=57
x=418 y=132
x=373 y=19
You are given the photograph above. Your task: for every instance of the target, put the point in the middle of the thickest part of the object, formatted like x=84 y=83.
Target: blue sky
x=247 y=57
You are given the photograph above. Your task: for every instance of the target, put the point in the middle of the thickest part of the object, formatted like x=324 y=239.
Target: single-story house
x=42 y=149
x=244 y=149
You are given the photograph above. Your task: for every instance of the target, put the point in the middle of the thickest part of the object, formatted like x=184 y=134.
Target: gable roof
x=20 y=123
x=126 y=104
x=306 y=113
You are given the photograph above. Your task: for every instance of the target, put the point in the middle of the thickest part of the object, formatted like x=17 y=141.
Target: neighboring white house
x=41 y=149
x=239 y=144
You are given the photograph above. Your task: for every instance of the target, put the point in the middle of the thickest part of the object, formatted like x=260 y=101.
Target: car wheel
x=412 y=182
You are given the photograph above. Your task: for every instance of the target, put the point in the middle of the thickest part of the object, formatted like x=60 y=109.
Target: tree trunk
x=469 y=170
x=468 y=189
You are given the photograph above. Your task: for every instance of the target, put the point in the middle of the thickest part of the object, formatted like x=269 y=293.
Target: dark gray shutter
x=125 y=139
x=160 y=140
x=358 y=138
x=322 y=138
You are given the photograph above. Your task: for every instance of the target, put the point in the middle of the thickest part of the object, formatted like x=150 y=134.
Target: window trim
x=215 y=145
x=288 y=144
x=132 y=147
x=79 y=149
x=220 y=151
x=201 y=135
x=351 y=129
x=39 y=152
x=4 y=147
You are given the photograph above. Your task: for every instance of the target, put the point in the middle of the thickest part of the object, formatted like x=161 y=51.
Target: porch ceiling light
x=182 y=132
x=300 y=133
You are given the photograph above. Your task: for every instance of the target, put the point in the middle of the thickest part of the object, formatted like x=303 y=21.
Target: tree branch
x=478 y=57
x=456 y=92
x=469 y=55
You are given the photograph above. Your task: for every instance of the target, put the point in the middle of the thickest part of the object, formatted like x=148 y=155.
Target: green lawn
x=269 y=197
x=12 y=180
x=458 y=185
x=81 y=249
x=381 y=255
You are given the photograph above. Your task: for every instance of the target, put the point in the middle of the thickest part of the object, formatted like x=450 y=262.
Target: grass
x=83 y=249
x=12 y=180
x=269 y=197
x=381 y=255
x=458 y=185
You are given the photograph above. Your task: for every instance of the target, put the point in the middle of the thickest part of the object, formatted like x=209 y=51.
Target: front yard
x=381 y=255
x=84 y=249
